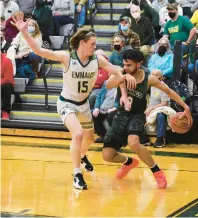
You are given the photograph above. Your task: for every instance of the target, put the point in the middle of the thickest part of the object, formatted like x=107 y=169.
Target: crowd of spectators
x=151 y=26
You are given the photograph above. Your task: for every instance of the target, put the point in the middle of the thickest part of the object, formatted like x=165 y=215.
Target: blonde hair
x=81 y=34
x=167 y=42
x=37 y=31
x=17 y=13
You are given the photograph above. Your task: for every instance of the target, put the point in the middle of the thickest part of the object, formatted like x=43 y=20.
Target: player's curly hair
x=134 y=55
x=81 y=34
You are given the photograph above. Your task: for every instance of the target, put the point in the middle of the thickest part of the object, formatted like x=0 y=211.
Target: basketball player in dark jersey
x=128 y=125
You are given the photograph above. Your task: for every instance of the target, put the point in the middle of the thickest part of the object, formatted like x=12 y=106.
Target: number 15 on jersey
x=82 y=86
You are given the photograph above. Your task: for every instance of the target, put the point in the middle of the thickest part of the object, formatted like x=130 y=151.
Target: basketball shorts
x=122 y=127
x=82 y=112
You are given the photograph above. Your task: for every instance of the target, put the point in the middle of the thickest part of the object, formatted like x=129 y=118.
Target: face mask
x=136 y=15
x=117 y=47
x=31 y=29
x=171 y=14
x=124 y=28
x=162 y=50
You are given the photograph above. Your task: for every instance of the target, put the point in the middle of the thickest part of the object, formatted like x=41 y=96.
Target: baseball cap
x=172 y=6
x=127 y=19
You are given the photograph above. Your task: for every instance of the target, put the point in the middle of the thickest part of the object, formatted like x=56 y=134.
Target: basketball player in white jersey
x=79 y=77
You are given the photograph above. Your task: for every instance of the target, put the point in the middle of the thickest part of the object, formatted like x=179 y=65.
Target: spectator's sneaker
x=87 y=165
x=5 y=115
x=79 y=182
x=99 y=140
x=160 y=179
x=160 y=142
x=123 y=171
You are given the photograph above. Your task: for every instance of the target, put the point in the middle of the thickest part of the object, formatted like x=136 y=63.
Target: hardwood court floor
x=36 y=181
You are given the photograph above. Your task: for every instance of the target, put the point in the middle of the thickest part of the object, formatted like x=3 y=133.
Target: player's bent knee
x=134 y=142
x=107 y=155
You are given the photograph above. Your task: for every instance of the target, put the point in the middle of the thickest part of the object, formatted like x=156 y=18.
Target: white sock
x=77 y=170
x=126 y=160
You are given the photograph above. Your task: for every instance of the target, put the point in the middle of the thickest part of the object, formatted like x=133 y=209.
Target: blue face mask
x=124 y=28
x=31 y=29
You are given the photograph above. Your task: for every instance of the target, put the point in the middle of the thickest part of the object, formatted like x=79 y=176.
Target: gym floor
x=36 y=180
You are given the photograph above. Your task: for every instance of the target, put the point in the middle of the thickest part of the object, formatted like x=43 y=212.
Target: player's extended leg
x=74 y=126
x=88 y=139
x=145 y=156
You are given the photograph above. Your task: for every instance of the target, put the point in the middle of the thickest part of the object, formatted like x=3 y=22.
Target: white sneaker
x=79 y=182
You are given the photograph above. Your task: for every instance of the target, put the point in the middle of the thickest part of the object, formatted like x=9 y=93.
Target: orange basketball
x=179 y=125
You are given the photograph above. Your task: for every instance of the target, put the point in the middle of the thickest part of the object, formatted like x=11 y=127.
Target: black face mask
x=162 y=50
x=117 y=47
x=171 y=14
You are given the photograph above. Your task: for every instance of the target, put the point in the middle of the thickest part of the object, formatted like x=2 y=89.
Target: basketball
x=179 y=125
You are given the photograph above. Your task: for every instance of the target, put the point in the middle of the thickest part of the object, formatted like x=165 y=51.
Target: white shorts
x=83 y=112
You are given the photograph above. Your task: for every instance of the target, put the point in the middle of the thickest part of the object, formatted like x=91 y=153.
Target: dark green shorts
x=122 y=127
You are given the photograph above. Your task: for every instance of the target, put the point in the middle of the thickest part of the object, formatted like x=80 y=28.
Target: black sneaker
x=87 y=165
x=79 y=182
x=99 y=140
x=160 y=142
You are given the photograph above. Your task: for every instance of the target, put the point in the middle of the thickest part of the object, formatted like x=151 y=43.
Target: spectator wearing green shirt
x=179 y=27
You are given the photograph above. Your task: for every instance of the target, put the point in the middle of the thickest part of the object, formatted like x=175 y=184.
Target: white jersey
x=79 y=79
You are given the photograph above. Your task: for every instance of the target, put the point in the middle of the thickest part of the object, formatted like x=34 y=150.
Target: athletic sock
x=155 y=168
x=128 y=161
x=77 y=170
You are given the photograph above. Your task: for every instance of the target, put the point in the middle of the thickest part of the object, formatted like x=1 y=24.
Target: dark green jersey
x=137 y=97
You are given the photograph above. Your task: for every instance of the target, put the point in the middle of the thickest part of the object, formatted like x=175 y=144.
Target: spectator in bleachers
x=4 y=44
x=146 y=11
x=142 y=26
x=158 y=4
x=116 y=57
x=104 y=109
x=21 y=50
x=162 y=60
x=186 y=5
x=158 y=99
x=7 y=86
x=10 y=30
x=194 y=19
x=43 y=15
x=194 y=7
x=63 y=12
x=102 y=76
x=8 y=7
x=131 y=38
x=179 y=28
x=26 y=6
x=80 y=6
x=163 y=13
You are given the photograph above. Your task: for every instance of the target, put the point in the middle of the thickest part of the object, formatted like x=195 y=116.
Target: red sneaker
x=123 y=171
x=160 y=179
x=5 y=115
